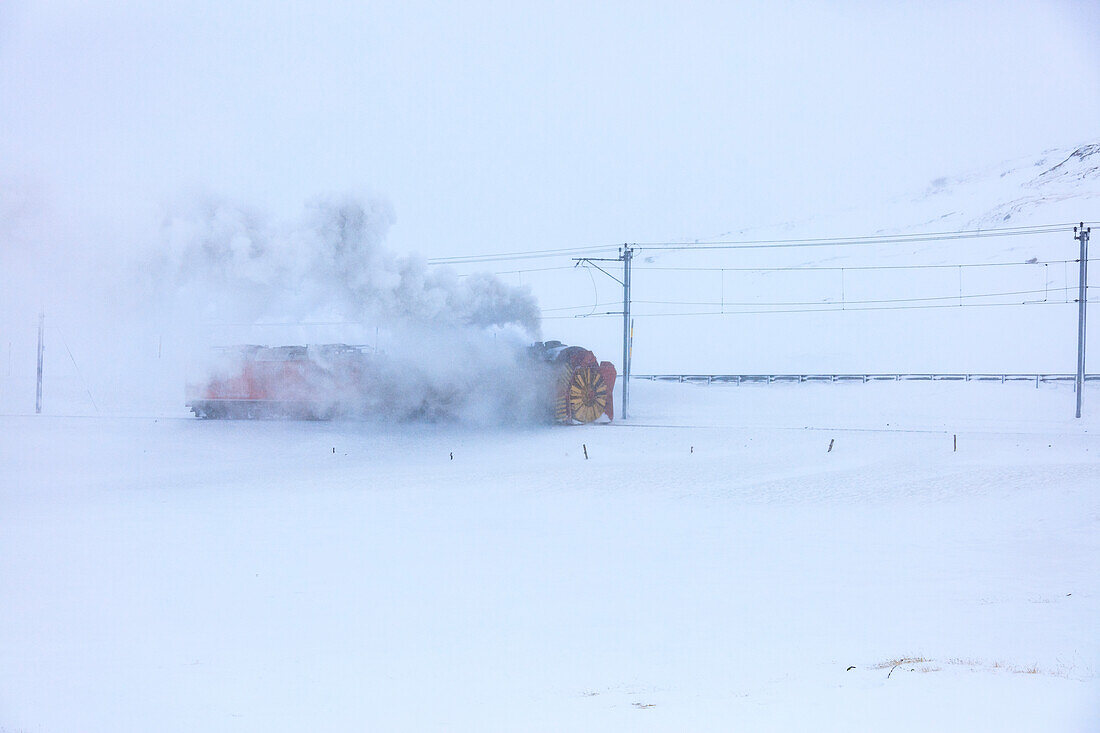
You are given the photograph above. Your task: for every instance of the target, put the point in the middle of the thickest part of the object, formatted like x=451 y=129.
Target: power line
x=524 y=255
x=838 y=268
x=834 y=307
x=524 y=271
x=761 y=243
x=826 y=305
x=857 y=302
x=579 y=307
x=862 y=240
x=802 y=268
x=264 y=324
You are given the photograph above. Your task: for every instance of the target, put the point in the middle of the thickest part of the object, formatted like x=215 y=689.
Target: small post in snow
x=585 y=448
x=38 y=387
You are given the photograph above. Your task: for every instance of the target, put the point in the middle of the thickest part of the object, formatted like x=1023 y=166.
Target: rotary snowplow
x=340 y=380
x=583 y=386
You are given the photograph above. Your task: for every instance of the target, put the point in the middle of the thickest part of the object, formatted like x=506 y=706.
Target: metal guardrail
x=881 y=377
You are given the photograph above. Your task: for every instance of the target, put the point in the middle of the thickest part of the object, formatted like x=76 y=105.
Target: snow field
x=712 y=565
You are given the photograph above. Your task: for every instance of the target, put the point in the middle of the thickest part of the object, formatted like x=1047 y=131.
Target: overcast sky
x=500 y=126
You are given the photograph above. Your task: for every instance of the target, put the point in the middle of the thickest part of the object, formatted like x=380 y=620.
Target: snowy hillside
x=1054 y=186
x=774 y=320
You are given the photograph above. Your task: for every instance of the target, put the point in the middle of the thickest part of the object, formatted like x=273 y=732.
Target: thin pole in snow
x=38 y=385
x=627 y=256
x=1081 y=234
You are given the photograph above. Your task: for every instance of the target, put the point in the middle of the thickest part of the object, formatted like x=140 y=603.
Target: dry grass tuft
x=921 y=664
x=900 y=661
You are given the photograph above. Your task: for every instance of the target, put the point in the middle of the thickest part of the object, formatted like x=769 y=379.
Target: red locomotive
x=334 y=380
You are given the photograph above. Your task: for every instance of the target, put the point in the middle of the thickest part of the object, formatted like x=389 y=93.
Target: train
x=583 y=387
x=568 y=384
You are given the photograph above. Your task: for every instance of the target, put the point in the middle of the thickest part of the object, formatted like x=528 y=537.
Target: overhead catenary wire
x=859 y=240
x=774 y=307
x=800 y=268
x=827 y=305
x=581 y=307
x=267 y=324
x=521 y=255
x=589 y=306
x=836 y=307
x=854 y=268
x=523 y=271
x=764 y=243
x=852 y=302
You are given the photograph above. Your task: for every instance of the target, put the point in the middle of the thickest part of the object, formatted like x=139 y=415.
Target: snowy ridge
x=1083 y=164
x=702 y=311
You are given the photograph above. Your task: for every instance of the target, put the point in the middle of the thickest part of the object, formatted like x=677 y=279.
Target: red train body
x=322 y=382
x=283 y=381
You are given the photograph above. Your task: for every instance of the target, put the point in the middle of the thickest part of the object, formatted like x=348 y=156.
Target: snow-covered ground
x=712 y=565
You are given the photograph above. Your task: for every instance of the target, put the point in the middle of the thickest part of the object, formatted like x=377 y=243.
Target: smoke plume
x=442 y=346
